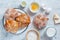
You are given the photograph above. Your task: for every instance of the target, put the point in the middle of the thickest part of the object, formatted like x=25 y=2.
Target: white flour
x=32 y=36
x=51 y=32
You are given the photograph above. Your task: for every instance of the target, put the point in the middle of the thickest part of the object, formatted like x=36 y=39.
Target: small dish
x=31 y=35
x=51 y=32
x=34 y=7
x=23 y=4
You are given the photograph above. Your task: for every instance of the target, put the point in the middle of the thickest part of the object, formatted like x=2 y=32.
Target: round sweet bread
x=11 y=26
x=23 y=20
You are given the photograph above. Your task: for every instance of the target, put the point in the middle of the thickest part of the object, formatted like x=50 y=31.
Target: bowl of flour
x=32 y=35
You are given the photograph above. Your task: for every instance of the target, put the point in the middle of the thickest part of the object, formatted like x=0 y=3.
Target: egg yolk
x=35 y=6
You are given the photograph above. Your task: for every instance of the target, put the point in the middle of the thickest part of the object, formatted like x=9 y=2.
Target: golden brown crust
x=11 y=26
x=23 y=19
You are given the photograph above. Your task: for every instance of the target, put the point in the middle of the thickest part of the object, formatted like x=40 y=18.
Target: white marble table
x=4 y=4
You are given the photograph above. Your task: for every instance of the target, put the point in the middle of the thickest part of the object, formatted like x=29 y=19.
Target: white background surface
x=54 y=4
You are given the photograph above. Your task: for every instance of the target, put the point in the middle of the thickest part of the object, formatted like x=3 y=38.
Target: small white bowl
x=33 y=10
x=23 y=4
x=35 y=31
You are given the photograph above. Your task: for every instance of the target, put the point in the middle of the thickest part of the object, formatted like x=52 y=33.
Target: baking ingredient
x=34 y=6
x=32 y=36
x=51 y=32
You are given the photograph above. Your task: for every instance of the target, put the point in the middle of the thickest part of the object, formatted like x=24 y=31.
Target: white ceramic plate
x=20 y=30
